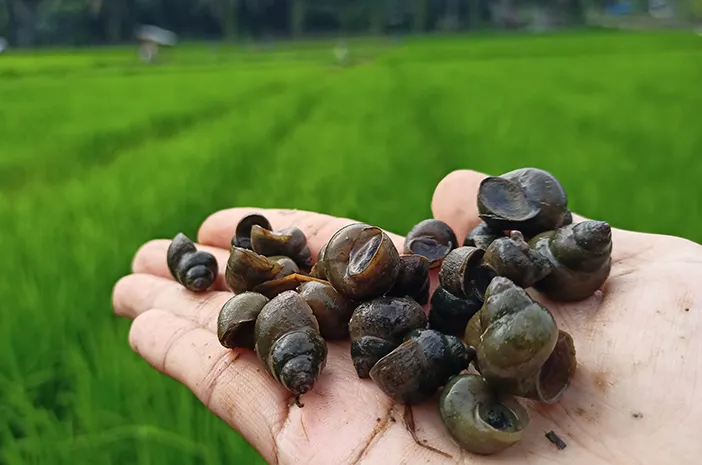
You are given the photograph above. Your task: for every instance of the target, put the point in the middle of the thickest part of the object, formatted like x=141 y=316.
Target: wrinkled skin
x=634 y=398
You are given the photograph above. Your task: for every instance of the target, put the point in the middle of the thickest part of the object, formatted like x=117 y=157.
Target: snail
x=246 y=269
x=290 y=242
x=418 y=367
x=581 y=255
x=480 y=420
x=242 y=235
x=450 y=314
x=318 y=270
x=512 y=258
x=237 y=319
x=378 y=326
x=464 y=274
x=332 y=310
x=530 y=200
x=361 y=262
x=431 y=238
x=482 y=236
x=289 y=344
x=195 y=269
x=413 y=278
x=287 y=265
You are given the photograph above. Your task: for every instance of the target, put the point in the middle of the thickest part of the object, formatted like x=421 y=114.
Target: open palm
x=635 y=397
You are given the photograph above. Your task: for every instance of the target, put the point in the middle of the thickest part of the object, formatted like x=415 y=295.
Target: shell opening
x=362 y=257
x=499 y=417
x=556 y=373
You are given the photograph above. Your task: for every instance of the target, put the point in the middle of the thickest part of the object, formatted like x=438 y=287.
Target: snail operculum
x=195 y=269
x=432 y=239
x=477 y=418
x=512 y=258
x=530 y=200
x=463 y=272
x=378 y=326
x=290 y=282
x=361 y=262
x=242 y=235
x=246 y=269
x=422 y=363
x=237 y=319
x=413 y=278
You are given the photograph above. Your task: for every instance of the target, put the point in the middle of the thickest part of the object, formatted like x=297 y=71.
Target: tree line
x=26 y=23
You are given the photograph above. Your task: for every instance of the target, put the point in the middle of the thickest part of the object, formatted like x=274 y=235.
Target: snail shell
x=464 y=274
x=478 y=419
x=419 y=366
x=378 y=326
x=290 y=242
x=482 y=236
x=431 y=238
x=413 y=278
x=530 y=200
x=581 y=255
x=195 y=270
x=332 y=310
x=237 y=319
x=246 y=269
x=287 y=265
x=361 y=262
x=242 y=236
x=318 y=270
x=450 y=314
x=289 y=344
x=512 y=258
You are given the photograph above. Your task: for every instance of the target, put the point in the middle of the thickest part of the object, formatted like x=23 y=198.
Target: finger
x=136 y=294
x=151 y=258
x=228 y=382
x=217 y=230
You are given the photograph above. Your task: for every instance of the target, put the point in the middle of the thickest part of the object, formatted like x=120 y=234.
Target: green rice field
x=100 y=153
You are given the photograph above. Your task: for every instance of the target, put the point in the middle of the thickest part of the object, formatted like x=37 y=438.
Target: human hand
x=634 y=397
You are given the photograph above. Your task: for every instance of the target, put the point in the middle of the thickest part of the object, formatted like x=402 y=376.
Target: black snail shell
x=424 y=362
x=482 y=236
x=332 y=310
x=512 y=258
x=289 y=344
x=431 y=238
x=479 y=419
x=242 y=235
x=464 y=274
x=287 y=265
x=237 y=319
x=450 y=314
x=361 y=262
x=413 y=278
x=195 y=270
x=530 y=200
x=378 y=326
x=581 y=255
x=290 y=242
x=246 y=269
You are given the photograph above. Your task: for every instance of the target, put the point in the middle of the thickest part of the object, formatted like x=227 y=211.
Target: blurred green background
x=100 y=153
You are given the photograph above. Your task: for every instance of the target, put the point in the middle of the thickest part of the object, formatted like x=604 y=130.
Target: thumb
x=455 y=201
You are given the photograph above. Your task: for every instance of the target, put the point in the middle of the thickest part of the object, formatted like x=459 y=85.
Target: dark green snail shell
x=246 y=269
x=482 y=236
x=432 y=239
x=581 y=255
x=332 y=310
x=237 y=319
x=412 y=279
x=195 y=270
x=418 y=367
x=242 y=235
x=450 y=314
x=378 y=326
x=529 y=200
x=512 y=258
x=464 y=274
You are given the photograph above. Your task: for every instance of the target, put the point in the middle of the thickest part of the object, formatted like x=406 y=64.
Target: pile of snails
x=484 y=343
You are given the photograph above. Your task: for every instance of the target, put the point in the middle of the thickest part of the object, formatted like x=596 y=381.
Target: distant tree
x=225 y=12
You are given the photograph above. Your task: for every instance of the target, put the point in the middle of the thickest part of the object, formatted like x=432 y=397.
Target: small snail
x=431 y=238
x=332 y=310
x=482 y=236
x=242 y=235
x=464 y=274
x=512 y=258
x=378 y=326
x=237 y=319
x=478 y=419
x=195 y=269
x=581 y=258
x=290 y=242
x=450 y=314
x=246 y=269
x=361 y=262
x=419 y=366
x=413 y=278
x=289 y=344
x=287 y=265
x=530 y=200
